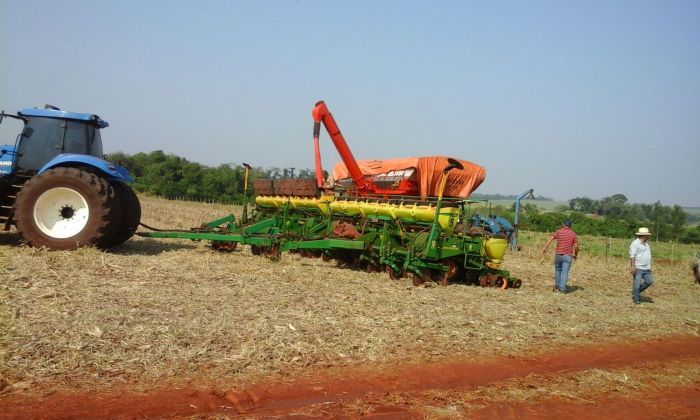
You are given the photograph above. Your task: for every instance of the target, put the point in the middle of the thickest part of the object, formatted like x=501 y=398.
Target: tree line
x=614 y=217
x=478 y=196
x=172 y=176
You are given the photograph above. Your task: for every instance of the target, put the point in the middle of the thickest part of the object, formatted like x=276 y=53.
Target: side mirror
x=27 y=132
x=2 y=115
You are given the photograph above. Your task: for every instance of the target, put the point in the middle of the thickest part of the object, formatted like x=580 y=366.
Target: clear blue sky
x=570 y=98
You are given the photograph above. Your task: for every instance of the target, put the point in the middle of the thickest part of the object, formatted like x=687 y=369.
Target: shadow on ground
x=149 y=247
x=10 y=238
x=130 y=247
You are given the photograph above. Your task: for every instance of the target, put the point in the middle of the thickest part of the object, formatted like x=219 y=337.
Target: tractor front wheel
x=62 y=208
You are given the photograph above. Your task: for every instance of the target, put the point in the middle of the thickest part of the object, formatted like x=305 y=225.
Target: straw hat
x=643 y=232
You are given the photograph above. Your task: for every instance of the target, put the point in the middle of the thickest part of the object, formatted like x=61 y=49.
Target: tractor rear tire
x=127 y=220
x=62 y=208
x=115 y=214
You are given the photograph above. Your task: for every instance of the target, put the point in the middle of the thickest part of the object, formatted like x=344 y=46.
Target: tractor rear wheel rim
x=61 y=212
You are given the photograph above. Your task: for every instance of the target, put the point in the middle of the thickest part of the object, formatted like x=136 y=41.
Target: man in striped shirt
x=566 y=252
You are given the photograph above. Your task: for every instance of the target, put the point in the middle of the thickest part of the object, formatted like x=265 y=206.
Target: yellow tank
x=448 y=218
x=495 y=248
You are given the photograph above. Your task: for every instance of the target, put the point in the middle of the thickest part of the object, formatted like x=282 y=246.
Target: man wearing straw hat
x=640 y=264
x=566 y=252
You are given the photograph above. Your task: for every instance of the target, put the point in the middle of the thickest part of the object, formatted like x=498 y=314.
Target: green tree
x=677 y=218
x=658 y=218
x=691 y=235
x=582 y=204
x=613 y=206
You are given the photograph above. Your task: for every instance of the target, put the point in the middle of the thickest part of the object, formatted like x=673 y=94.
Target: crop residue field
x=172 y=328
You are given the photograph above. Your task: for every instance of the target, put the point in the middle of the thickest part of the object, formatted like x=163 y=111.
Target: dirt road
x=410 y=392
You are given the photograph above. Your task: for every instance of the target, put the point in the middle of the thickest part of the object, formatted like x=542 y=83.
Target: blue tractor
x=57 y=189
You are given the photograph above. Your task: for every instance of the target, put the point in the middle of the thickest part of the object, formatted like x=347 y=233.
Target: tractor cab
x=56 y=187
x=49 y=132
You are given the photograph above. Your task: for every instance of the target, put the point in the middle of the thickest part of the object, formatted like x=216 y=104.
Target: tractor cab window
x=83 y=139
x=95 y=143
x=41 y=141
x=74 y=140
x=45 y=138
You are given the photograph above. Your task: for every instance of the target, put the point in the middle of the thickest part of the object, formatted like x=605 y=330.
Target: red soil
x=327 y=395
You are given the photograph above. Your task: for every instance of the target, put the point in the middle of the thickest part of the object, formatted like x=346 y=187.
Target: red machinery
x=320 y=114
x=416 y=176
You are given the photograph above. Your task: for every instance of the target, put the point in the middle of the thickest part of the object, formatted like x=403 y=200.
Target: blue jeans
x=641 y=280
x=562 y=264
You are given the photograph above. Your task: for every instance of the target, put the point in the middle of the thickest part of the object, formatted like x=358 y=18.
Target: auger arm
x=321 y=114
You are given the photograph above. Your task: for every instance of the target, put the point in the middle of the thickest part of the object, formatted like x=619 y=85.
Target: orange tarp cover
x=460 y=183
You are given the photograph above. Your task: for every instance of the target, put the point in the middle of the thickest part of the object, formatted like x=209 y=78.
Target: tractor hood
x=7 y=154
